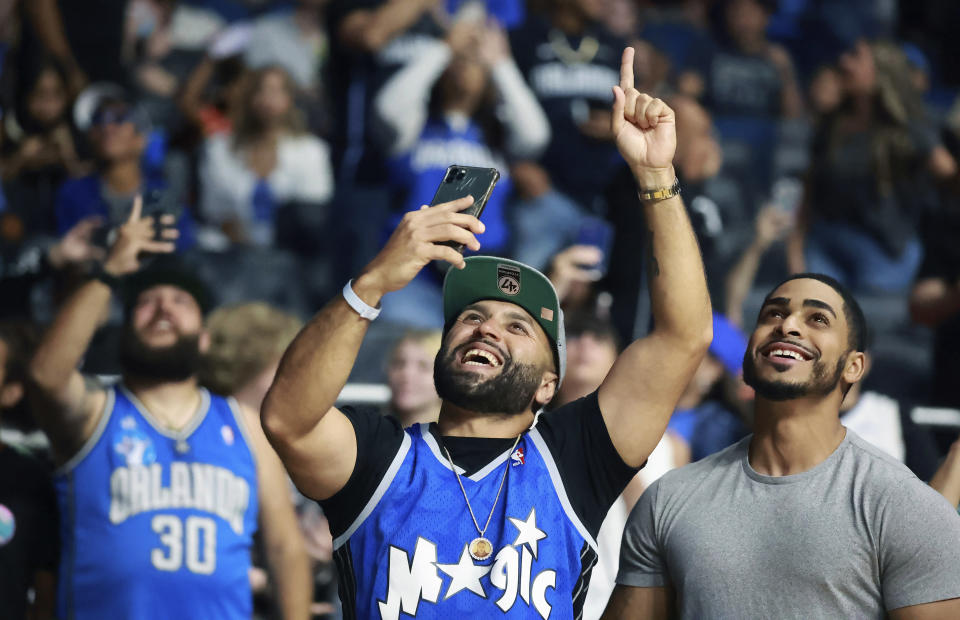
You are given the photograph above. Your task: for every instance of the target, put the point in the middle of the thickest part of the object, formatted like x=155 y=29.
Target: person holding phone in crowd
x=491 y=509
x=803 y=518
x=160 y=483
x=119 y=132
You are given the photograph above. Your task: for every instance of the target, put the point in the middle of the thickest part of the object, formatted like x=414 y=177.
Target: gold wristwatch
x=661 y=193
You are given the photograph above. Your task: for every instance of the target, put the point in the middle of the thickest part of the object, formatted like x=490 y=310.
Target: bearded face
x=819 y=382
x=162 y=336
x=510 y=391
x=177 y=361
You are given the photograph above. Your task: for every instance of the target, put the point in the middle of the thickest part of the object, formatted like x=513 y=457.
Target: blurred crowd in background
x=288 y=137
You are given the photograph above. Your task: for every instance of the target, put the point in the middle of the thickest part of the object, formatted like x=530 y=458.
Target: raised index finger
x=626 y=69
x=137 y=209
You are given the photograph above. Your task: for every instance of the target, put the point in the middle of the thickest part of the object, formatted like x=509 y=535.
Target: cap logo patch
x=546 y=314
x=508 y=279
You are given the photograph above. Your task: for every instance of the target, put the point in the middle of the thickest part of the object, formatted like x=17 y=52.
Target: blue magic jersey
x=406 y=554
x=157 y=523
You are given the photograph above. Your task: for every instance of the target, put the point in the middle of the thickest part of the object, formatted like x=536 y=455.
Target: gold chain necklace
x=481 y=548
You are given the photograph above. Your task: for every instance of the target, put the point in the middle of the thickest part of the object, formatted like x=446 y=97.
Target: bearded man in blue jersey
x=160 y=483
x=493 y=509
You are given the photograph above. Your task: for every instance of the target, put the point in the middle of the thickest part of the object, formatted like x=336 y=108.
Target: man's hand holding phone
x=139 y=235
x=418 y=240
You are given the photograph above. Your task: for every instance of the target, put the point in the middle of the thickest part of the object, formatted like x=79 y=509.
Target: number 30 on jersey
x=192 y=541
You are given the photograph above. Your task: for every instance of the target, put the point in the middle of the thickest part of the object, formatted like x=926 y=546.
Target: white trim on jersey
x=378 y=494
x=478 y=475
x=234 y=407
x=435 y=447
x=561 y=491
x=180 y=435
x=491 y=466
x=89 y=444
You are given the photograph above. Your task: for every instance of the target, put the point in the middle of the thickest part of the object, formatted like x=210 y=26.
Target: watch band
x=98 y=273
x=661 y=193
x=361 y=307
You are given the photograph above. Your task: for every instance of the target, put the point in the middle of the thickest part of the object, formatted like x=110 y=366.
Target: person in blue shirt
x=161 y=484
x=493 y=510
x=119 y=134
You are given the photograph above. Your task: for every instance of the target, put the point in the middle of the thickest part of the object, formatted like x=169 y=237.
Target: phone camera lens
x=461 y=173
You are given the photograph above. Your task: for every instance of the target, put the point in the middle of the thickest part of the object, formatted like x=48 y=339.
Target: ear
x=204 y=341
x=10 y=394
x=547 y=389
x=855 y=367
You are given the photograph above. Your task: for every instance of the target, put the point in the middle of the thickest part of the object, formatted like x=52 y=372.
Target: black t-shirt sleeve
x=591 y=468
x=378 y=439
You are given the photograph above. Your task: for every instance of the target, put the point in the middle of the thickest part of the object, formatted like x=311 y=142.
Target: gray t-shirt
x=856 y=535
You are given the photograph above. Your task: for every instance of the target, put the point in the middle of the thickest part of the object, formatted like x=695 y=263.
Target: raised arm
x=316 y=441
x=528 y=130
x=47 y=22
x=285 y=548
x=369 y=30
x=939 y=610
x=68 y=406
x=627 y=603
x=640 y=392
x=770 y=226
x=402 y=101
x=946 y=480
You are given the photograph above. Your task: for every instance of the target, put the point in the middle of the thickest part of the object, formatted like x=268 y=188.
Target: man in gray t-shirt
x=802 y=519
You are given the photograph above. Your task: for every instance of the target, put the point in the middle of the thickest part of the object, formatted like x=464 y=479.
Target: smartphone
x=461 y=181
x=158 y=203
x=786 y=194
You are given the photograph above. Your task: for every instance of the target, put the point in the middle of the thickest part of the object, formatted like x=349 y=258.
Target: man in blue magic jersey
x=492 y=510
x=160 y=483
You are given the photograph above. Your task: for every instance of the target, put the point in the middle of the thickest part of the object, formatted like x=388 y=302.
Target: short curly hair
x=244 y=340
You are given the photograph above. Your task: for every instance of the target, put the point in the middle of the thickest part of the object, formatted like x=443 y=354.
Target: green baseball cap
x=502 y=279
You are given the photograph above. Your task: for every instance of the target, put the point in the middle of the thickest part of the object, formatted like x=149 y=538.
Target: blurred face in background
x=589 y=358
x=47 y=101
x=164 y=314
x=858 y=70
x=271 y=100
x=465 y=80
x=701 y=384
x=410 y=377
x=826 y=90
x=746 y=20
x=114 y=135
x=698 y=153
x=163 y=336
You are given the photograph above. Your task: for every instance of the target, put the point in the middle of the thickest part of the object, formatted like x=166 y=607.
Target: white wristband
x=363 y=309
